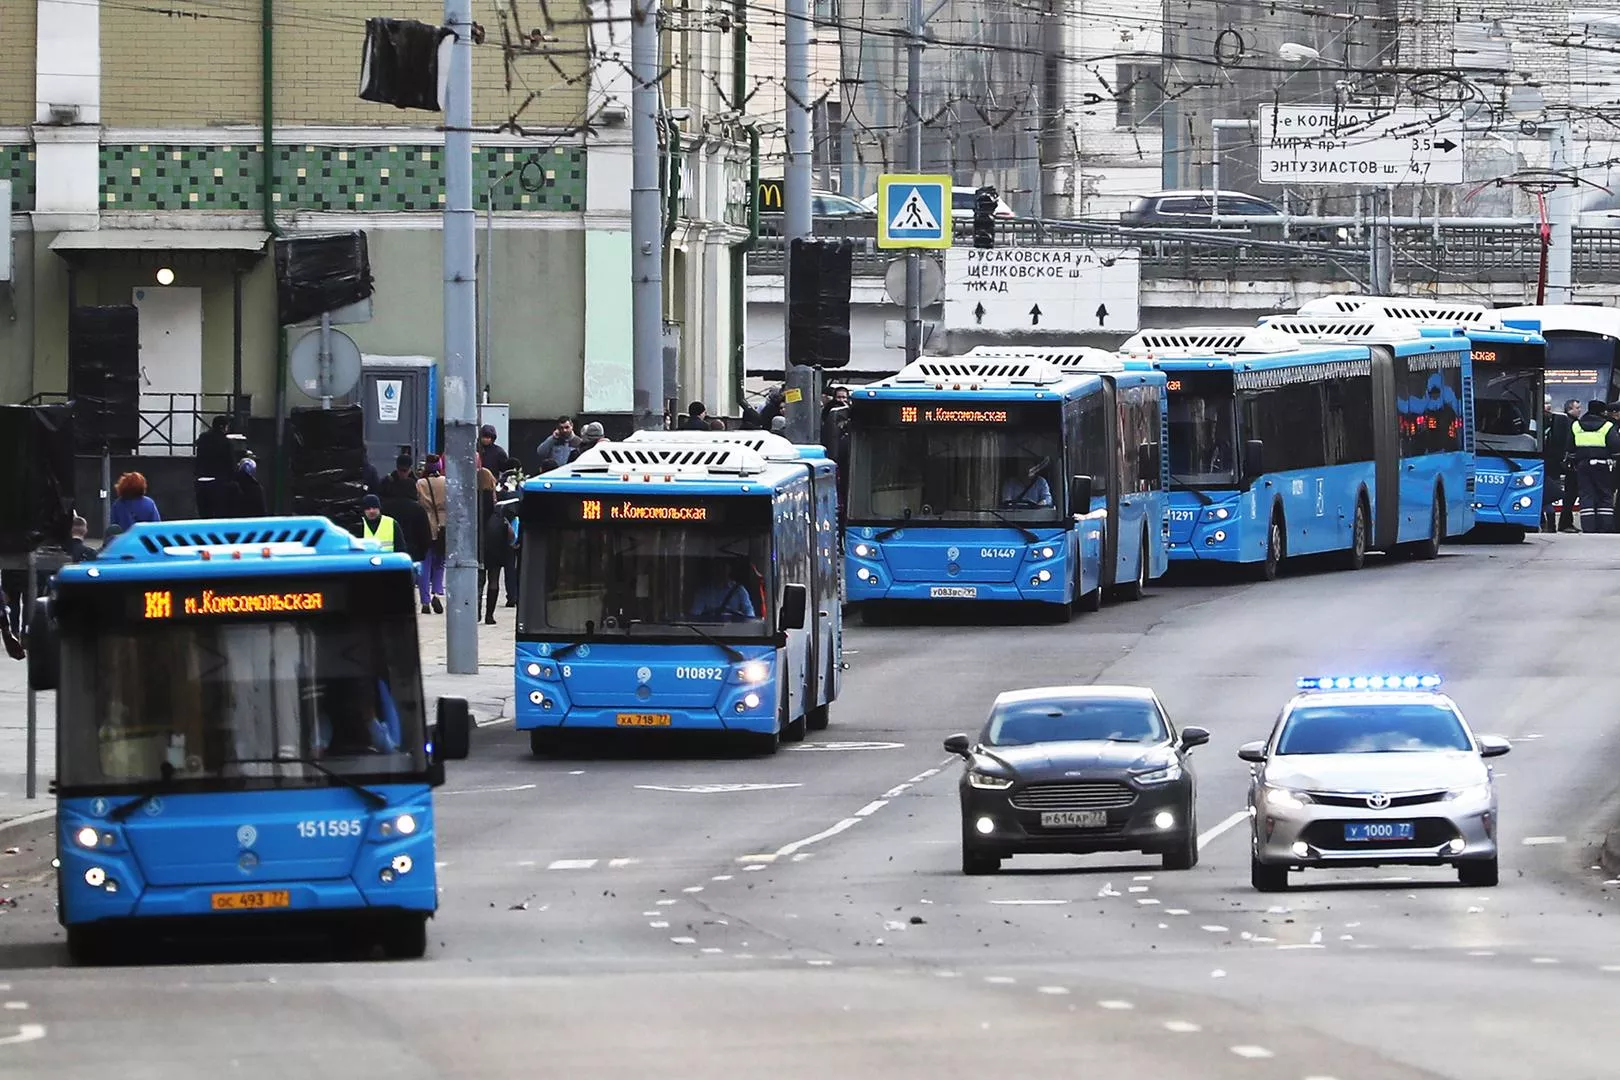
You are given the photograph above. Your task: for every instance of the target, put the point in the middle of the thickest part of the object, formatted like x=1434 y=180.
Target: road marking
x=4 y=987
x=920 y=777
x=1146 y=900
x=712 y=950
x=576 y=772
x=693 y=888
x=1027 y=903
x=836 y=746
x=819 y=963
x=491 y=722
x=1181 y=1027
x=872 y=807
x=1138 y=888
x=721 y=877
x=667 y=903
x=1000 y=980
x=948 y=974
x=1176 y=911
x=1482 y=952
x=1544 y=960
x=25 y=1033
x=658 y=924
x=16 y=1006
x=1052 y=990
x=572 y=864
x=1251 y=1051
x=1542 y=841
x=713 y=789
x=1302 y=945
x=1611 y=968
x=619 y=864
x=1229 y=823
x=489 y=790
x=525 y=862
x=1214 y=929
x=1116 y=1006
x=897 y=791
x=684 y=940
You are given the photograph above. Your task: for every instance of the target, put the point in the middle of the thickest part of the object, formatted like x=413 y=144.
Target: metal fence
x=169 y=423
x=1421 y=252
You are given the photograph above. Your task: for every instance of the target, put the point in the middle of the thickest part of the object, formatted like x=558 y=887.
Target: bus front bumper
x=650 y=717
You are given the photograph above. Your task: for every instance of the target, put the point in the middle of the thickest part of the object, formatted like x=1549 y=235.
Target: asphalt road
x=628 y=915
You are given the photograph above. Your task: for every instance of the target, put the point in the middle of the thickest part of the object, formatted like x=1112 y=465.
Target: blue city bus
x=1001 y=476
x=1282 y=447
x=681 y=581
x=1509 y=393
x=242 y=742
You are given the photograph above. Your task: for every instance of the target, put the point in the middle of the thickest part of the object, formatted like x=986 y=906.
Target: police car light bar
x=1371 y=682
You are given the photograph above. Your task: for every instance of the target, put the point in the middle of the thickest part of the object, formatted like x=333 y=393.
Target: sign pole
x=802 y=405
x=914 y=48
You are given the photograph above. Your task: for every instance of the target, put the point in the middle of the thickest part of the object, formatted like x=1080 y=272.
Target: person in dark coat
x=399 y=484
x=213 y=466
x=491 y=453
x=250 y=500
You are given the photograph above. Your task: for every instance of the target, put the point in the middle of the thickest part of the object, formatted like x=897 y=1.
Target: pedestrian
x=591 y=434
x=779 y=425
x=212 y=468
x=490 y=453
x=838 y=399
x=13 y=644
x=401 y=483
x=250 y=500
x=495 y=542
x=77 y=549
x=554 y=450
x=1597 y=443
x=434 y=495
x=133 y=505
x=1572 y=482
x=376 y=525
x=1556 y=443
x=696 y=418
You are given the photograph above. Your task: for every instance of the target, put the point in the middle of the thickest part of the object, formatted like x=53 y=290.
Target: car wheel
x=1479 y=873
x=1267 y=877
x=977 y=862
x=1184 y=856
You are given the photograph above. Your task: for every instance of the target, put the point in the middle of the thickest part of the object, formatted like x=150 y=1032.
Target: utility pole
x=1561 y=219
x=460 y=352
x=1380 y=249
x=914 y=158
x=804 y=415
x=646 y=219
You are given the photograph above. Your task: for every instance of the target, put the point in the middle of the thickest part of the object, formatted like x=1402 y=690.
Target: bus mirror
x=1254 y=458
x=452 y=733
x=1080 y=495
x=795 y=605
x=44 y=647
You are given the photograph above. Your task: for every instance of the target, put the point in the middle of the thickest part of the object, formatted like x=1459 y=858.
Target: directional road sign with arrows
x=1361 y=145
x=1043 y=290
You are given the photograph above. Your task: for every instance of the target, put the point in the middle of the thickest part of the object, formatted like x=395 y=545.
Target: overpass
x=1193 y=277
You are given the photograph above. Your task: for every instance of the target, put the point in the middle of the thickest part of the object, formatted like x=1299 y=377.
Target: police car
x=1372 y=770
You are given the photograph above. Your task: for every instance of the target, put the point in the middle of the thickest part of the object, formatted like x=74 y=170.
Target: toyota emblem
x=1378 y=801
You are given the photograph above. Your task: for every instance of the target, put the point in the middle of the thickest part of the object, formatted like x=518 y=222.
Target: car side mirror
x=1252 y=751
x=452 y=731
x=958 y=745
x=44 y=647
x=795 y=605
x=1493 y=746
x=1254 y=458
x=1080 y=494
x=1193 y=736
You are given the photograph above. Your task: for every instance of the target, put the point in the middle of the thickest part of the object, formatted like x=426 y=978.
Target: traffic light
x=984 y=216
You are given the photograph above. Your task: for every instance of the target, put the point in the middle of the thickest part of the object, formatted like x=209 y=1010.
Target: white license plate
x=953 y=592
x=1074 y=819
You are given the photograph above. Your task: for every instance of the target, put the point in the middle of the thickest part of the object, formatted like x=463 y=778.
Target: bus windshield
x=1203 y=444
x=1508 y=409
x=203 y=706
x=968 y=474
x=631 y=578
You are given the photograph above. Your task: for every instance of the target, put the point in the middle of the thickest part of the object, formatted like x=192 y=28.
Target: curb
x=26 y=819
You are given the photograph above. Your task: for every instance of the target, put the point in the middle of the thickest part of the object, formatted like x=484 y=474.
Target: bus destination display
x=953 y=414
x=594 y=509
x=164 y=603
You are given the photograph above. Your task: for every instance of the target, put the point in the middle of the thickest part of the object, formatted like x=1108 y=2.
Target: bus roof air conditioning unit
x=1071 y=358
x=1204 y=340
x=768 y=445
x=1340 y=329
x=1405 y=309
x=692 y=460
x=1025 y=369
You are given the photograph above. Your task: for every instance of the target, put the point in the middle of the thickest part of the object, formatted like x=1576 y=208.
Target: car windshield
x=192 y=705
x=955 y=474
x=1203 y=449
x=1508 y=408
x=1372 y=729
x=1026 y=722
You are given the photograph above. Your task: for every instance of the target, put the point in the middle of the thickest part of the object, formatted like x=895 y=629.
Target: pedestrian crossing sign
x=914 y=211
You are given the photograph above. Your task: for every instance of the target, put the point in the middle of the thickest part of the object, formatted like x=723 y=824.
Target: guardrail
x=168 y=423
x=1493 y=253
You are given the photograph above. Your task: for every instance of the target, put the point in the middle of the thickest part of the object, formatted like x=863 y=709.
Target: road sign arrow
x=978 y=314
x=1446 y=144
x=1035 y=315
x=1102 y=314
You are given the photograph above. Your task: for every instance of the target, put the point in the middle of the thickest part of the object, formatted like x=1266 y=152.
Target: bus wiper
x=376 y=801
x=1186 y=485
x=884 y=534
x=1513 y=466
x=121 y=812
x=731 y=654
x=1029 y=534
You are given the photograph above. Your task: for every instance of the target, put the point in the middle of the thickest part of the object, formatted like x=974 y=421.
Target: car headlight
x=753 y=672
x=1471 y=792
x=1285 y=798
x=1159 y=776
x=988 y=782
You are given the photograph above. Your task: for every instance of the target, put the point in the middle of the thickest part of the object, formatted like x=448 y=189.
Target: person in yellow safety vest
x=376 y=525
x=1596 y=444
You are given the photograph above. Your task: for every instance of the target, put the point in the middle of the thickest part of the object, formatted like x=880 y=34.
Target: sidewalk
x=488 y=694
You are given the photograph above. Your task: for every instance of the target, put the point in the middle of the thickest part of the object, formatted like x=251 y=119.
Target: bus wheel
x=87 y=946
x=543 y=741
x=404 y=937
x=1514 y=534
x=1091 y=601
x=1355 y=557
x=816 y=719
x=1276 y=550
x=792 y=729
x=1138 y=588
x=1430 y=548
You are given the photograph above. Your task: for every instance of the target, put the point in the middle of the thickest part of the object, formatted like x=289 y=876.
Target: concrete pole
x=646 y=218
x=1561 y=217
x=914 y=158
x=803 y=416
x=460 y=353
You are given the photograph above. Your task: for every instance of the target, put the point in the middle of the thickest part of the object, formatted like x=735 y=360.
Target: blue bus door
x=827 y=561
x=1110 y=488
x=1386 y=523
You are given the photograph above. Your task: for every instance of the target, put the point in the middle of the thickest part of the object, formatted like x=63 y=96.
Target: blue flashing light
x=1370 y=682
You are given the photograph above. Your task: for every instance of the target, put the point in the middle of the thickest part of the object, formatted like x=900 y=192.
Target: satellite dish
x=334 y=378
x=933 y=281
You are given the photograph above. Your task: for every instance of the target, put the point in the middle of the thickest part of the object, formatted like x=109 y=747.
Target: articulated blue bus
x=1509 y=386
x=1281 y=447
x=241 y=735
x=681 y=581
x=1000 y=475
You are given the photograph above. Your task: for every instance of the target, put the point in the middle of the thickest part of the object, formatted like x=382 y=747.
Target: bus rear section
x=242 y=741
x=680 y=582
x=1003 y=478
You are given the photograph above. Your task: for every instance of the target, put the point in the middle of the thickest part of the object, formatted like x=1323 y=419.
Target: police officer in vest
x=1596 y=443
x=376 y=525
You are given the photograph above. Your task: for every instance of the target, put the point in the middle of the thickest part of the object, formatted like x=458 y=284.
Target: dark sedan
x=1077 y=770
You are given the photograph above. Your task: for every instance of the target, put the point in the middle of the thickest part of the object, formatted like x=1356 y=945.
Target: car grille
x=1416 y=798
x=1329 y=836
x=1105 y=795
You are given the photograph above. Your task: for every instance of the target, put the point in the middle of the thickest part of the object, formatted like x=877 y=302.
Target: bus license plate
x=639 y=719
x=1074 y=819
x=251 y=901
x=1363 y=831
x=953 y=592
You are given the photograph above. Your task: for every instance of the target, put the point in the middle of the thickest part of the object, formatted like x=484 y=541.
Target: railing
x=168 y=424
x=1454 y=253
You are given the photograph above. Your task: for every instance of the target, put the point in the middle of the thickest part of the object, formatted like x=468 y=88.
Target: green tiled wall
x=17 y=165
x=361 y=178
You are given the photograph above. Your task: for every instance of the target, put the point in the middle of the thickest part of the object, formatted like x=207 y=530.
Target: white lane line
x=619 y=864
x=692 y=889
x=1116 y=1006
x=1482 y=952
x=16 y=1006
x=1213 y=929
x=1230 y=823
x=1542 y=841
x=1302 y=945
x=711 y=950
x=1146 y=900
x=721 y=877
x=572 y=864
x=1611 y=968
x=920 y=777
x=1537 y=960
x=872 y=807
x=492 y=721
x=1319 y=1078
x=25 y=1033
x=832 y=830
x=684 y=940
x=896 y=791
x=819 y=963
x=667 y=903
x=1181 y=1027
x=1053 y=990
x=1027 y=903
x=1251 y=1051
x=658 y=924
x=489 y=790
x=1000 y=980
x=525 y=862
x=1143 y=877
x=576 y=772
x=1176 y=911
x=1138 y=888
x=4 y=987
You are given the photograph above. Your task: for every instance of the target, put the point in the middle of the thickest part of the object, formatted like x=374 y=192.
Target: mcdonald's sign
x=771 y=195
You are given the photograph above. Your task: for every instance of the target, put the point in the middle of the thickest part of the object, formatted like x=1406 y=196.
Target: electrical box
x=400 y=398
x=5 y=231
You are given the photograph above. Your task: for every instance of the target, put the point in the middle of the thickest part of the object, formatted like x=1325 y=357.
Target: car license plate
x=642 y=719
x=1363 y=831
x=250 y=901
x=1074 y=819
x=953 y=592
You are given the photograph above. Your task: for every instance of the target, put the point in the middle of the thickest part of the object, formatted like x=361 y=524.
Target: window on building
x=1139 y=94
x=825 y=12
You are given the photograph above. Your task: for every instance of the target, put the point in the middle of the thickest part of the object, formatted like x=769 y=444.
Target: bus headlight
x=864 y=551
x=863 y=573
x=1527 y=480
x=1523 y=503
x=87 y=837
x=1042 y=553
x=1045 y=575
x=1222 y=513
x=754 y=672
x=404 y=825
x=95 y=877
x=751 y=701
